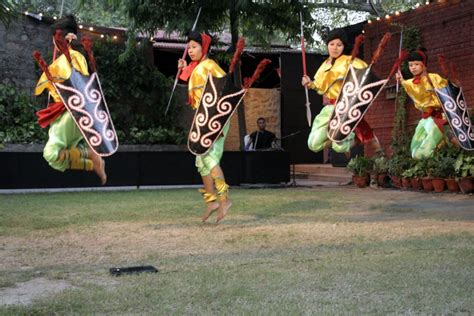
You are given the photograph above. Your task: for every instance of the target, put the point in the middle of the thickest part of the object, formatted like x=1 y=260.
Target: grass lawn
x=280 y=251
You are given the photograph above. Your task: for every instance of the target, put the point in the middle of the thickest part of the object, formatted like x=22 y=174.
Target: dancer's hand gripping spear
x=179 y=69
x=303 y=55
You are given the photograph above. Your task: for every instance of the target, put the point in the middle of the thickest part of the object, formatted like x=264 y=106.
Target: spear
x=303 y=56
x=179 y=70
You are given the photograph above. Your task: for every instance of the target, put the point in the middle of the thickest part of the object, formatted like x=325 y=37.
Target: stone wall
x=17 y=43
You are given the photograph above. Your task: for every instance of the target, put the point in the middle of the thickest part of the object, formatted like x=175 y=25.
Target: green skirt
x=205 y=163
x=426 y=138
x=63 y=134
x=318 y=135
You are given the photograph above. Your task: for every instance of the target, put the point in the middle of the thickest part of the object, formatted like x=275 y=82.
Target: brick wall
x=447 y=27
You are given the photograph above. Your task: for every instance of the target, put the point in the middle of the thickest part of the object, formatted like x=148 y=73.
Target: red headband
x=206 y=42
x=423 y=55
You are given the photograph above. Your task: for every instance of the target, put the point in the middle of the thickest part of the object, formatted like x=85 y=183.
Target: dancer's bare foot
x=223 y=209
x=211 y=208
x=99 y=168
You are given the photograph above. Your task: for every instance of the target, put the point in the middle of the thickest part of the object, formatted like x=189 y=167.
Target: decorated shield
x=219 y=101
x=359 y=89
x=84 y=99
x=455 y=108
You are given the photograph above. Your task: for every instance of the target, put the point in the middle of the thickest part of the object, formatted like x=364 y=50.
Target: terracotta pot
x=427 y=184
x=416 y=184
x=396 y=182
x=381 y=180
x=361 y=182
x=406 y=183
x=452 y=185
x=438 y=184
x=466 y=185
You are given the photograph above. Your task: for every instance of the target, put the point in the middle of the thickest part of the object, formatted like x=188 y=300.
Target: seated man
x=261 y=139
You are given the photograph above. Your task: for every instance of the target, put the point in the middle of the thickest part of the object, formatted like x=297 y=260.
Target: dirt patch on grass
x=26 y=292
x=119 y=243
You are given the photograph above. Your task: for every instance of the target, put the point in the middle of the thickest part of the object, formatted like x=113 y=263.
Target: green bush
x=464 y=165
x=18 y=122
x=137 y=95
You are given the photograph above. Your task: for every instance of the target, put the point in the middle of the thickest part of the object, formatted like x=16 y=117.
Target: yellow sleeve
x=328 y=79
x=438 y=81
x=198 y=79
x=359 y=63
x=60 y=69
x=422 y=94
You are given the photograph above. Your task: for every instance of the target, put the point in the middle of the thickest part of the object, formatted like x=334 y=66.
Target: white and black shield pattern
x=83 y=98
x=220 y=99
x=455 y=108
x=359 y=90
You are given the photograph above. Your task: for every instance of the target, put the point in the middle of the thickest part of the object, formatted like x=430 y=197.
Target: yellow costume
x=61 y=151
x=205 y=163
x=328 y=82
x=429 y=132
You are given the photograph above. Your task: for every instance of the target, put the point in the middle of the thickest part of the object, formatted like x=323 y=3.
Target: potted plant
x=427 y=182
x=439 y=171
x=450 y=154
x=464 y=168
x=396 y=165
x=360 y=167
x=419 y=171
x=380 y=166
x=407 y=175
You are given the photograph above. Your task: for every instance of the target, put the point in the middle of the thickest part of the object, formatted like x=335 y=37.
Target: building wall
x=258 y=103
x=447 y=27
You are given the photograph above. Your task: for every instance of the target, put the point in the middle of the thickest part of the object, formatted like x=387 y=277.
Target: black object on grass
x=132 y=270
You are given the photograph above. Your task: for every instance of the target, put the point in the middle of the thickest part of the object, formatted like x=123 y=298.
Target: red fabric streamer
x=378 y=52
x=238 y=51
x=358 y=42
x=454 y=73
x=364 y=132
x=442 y=64
x=62 y=44
x=188 y=70
x=403 y=56
x=87 y=44
x=43 y=65
x=261 y=66
x=50 y=114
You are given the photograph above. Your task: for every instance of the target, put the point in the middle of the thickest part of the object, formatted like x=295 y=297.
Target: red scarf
x=188 y=70
x=417 y=79
x=47 y=115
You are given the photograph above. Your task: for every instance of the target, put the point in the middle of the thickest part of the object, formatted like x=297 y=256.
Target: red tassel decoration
x=403 y=55
x=358 y=42
x=442 y=64
x=454 y=73
x=378 y=52
x=87 y=44
x=62 y=44
x=43 y=65
x=238 y=51
x=261 y=66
